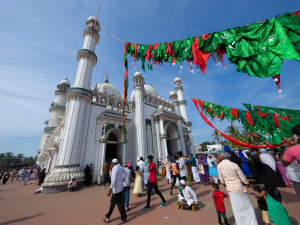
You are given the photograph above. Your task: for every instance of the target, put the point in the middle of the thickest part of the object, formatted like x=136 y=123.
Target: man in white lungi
x=186 y=195
x=194 y=166
x=231 y=176
x=167 y=165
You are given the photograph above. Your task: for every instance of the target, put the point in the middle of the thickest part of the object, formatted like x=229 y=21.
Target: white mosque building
x=86 y=124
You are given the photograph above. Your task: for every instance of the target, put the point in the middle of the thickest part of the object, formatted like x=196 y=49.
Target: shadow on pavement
x=20 y=219
x=7 y=190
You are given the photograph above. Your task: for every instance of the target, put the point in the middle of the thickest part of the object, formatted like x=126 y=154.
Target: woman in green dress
x=277 y=213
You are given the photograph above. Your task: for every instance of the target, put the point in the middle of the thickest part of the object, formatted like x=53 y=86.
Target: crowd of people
x=265 y=169
x=24 y=175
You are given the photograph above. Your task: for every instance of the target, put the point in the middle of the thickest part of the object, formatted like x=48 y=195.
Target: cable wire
x=19 y=96
x=120 y=17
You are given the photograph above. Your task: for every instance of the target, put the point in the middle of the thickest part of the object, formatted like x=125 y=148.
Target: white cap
x=115 y=161
x=73 y=178
x=182 y=182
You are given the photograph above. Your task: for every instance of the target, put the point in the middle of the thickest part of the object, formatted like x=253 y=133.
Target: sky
x=39 y=41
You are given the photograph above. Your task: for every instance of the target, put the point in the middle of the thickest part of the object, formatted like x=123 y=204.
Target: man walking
x=117 y=175
x=152 y=183
x=195 y=171
x=126 y=189
x=182 y=166
x=231 y=176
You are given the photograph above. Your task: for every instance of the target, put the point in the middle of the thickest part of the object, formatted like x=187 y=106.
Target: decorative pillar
x=102 y=161
x=156 y=119
x=182 y=104
x=173 y=97
x=164 y=148
x=139 y=114
x=79 y=105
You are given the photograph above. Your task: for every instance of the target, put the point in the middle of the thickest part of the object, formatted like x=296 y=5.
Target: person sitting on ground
x=72 y=185
x=186 y=195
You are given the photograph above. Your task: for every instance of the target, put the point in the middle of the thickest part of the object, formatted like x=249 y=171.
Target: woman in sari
x=282 y=170
x=203 y=171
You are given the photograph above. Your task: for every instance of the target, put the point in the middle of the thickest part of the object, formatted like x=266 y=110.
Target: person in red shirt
x=152 y=183
x=218 y=197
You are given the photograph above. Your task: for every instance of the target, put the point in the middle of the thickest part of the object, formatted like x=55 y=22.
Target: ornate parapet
x=47 y=129
x=188 y=123
x=79 y=92
x=57 y=107
x=182 y=102
x=62 y=92
x=87 y=53
x=92 y=31
x=178 y=88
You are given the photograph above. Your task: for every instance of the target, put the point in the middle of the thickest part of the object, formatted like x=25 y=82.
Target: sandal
x=104 y=220
x=122 y=222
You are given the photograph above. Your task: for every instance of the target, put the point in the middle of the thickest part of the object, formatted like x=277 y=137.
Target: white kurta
x=168 y=176
x=242 y=208
x=196 y=174
x=189 y=195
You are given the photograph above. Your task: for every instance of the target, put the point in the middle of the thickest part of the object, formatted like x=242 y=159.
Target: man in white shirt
x=186 y=195
x=126 y=189
x=182 y=167
x=117 y=176
x=141 y=162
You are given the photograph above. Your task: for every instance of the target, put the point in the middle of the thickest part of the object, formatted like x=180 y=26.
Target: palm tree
x=234 y=132
x=248 y=137
x=25 y=160
x=224 y=142
x=2 y=156
x=19 y=159
x=217 y=136
x=8 y=158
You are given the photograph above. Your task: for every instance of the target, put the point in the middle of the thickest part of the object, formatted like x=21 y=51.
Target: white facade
x=90 y=131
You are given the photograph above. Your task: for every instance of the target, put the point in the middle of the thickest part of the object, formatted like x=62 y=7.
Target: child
x=262 y=204
x=138 y=185
x=218 y=197
x=276 y=212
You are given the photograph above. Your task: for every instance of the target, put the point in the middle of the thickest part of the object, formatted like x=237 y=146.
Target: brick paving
x=19 y=206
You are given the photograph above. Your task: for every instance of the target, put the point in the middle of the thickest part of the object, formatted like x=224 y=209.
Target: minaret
x=72 y=150
x=173 y=97
x=57 y=109
x=182 y=106
x=139 y=114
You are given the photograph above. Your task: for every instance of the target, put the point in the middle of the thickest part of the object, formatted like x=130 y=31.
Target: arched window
x=112 y=103
x=145 y=99
x=119 y=105
x=112 y=137
x=133 y=106
x=155 y=102
x=104 y=101
x=95 y=98
x=150 y=100
x=126 y=107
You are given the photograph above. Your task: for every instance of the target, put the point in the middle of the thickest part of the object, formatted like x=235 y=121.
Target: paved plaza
x=19 y=206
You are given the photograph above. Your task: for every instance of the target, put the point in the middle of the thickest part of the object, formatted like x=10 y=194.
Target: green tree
x=234 y=132
x=19 y=159
x=204 y=146
x=217 y=136
x=8 y=158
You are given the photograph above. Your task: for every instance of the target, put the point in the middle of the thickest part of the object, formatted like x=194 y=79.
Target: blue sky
x=39 y=41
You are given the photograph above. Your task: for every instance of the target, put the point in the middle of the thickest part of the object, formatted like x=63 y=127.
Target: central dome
x=107 y=88
x=148 y=89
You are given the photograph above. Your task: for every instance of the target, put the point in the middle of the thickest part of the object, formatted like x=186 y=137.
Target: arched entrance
x=114 y=145
x=172 y=139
